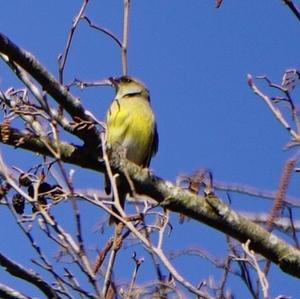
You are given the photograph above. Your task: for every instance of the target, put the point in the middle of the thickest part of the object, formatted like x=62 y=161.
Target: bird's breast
x=131 y=124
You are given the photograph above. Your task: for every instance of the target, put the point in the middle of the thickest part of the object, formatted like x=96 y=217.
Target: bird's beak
x=114 y=81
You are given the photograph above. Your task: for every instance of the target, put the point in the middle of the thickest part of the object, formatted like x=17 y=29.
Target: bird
x=131 y=126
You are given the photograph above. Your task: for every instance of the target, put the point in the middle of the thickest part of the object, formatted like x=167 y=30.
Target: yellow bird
x=131 y=125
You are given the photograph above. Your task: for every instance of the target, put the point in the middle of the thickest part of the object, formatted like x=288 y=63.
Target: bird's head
x=127 y=85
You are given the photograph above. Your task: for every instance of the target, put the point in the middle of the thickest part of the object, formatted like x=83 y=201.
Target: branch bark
x=50 y=85
x=9 y=293
x=206 y=209
x=212 y=211
x=74 y=154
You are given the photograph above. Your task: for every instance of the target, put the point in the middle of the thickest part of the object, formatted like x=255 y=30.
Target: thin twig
x=104 y=30
x=64 y=284
x=138 y=263
x=261 y=275
x=49 y=84
x=84 y=84
x=73 y=249
x=63 y=57
x=253 y=191
x=20 y=272
x=125 y=37
x=46 y=265
x=102 y=254
x=293 y=8
x=60 y=119
x=282 y=224
x=161 y=256
x=293 y=228
x=162 y=229
x=279 y=116
x=112 y=178
x=285 y=91
x=242 y=263
x=117 y=243
x=218 y=3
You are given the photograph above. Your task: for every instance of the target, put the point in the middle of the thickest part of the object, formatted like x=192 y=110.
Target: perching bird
x=131 y=125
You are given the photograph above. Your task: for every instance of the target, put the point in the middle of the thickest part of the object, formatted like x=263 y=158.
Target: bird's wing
x=155 y=142
x=153 y=149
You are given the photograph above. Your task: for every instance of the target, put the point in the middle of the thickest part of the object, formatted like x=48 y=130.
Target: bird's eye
x=127 y=80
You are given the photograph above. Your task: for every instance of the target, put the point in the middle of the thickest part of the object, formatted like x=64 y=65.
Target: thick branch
x=49 y=84
x=18 y=271
x=78 y=155
x=9 y=293
x=209 y=209
x=213 y=212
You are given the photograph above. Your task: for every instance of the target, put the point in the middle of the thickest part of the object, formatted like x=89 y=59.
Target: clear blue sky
x=194 y=59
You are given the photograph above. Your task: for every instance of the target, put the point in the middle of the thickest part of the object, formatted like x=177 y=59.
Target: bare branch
x=293 y=8
x=104 y=30
x=84 y=84
x=20 y=272
x=9 y=293
x=212 y=211
x=54 y=115
x=138 y=263
x=73 y=154
x=58 y=92
x=125 y=37
x=218 y=3
x=102 y=254
x=261 y=275
x=280 y=223
x=69 y=243
x=117 y=243
x=277 y=113
x=63 y=57
x=252 y=191
x=204 y=209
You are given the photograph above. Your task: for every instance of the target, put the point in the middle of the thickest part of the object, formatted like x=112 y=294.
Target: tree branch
x=18 y=271
x=78 y=155
x=63 y=57
x=49 y=84
x=208 y=209
x=212 y=211
x=293 y=8
x=9 y=293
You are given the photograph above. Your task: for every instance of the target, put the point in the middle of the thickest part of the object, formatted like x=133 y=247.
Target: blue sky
x=194 y=59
